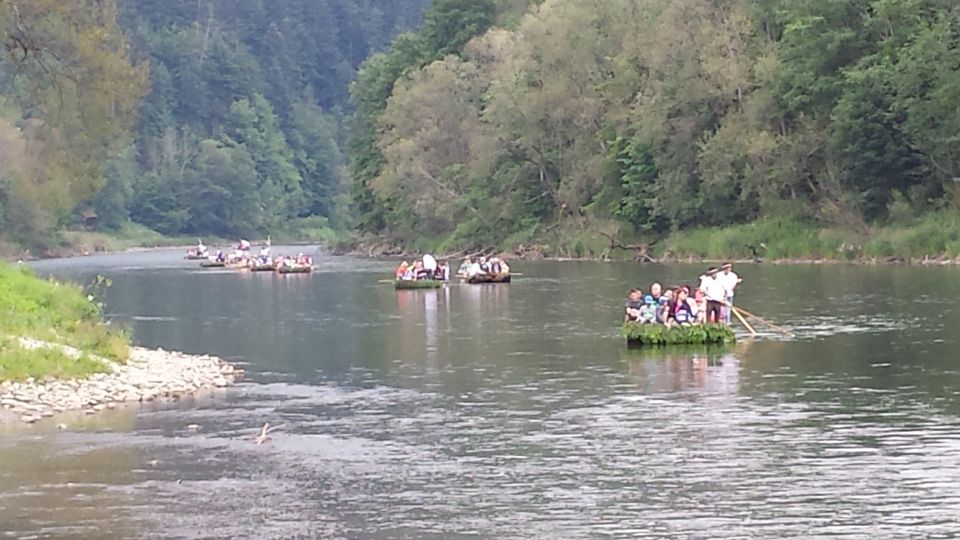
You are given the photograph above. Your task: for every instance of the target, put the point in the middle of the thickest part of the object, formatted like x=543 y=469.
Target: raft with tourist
x=262 y=262
x=423 y=273
x=197 y=253
x=301 y=264
x=684 y=314
x=476 y=270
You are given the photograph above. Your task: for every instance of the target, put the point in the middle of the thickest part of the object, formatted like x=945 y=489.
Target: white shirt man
x=729 y=279
x=713 y=288
x=475 y=270
x=715 y=294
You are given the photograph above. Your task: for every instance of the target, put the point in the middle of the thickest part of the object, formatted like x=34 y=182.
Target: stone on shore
x=147 y=375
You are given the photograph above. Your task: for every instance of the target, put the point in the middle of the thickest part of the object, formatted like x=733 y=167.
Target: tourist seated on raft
x=442 y=272
x=682 y=310
x=637 y=310
x=632 y=305
x=476 y=268
x=657 y=301
x=499 y=266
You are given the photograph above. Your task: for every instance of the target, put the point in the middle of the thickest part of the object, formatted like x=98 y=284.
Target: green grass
x=131 y=235
x=18 y=363
x=57 y=313
x=314 y=230
x=936 y=234
x=660 y=335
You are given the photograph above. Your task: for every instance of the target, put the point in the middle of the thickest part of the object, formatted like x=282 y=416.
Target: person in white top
x=715 y=293
x=475 y=269
x=730 y=280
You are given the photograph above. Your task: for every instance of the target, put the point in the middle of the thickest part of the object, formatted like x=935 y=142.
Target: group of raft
x=240 y=259
x=427 y=273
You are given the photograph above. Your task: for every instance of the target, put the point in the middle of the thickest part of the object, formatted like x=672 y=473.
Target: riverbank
x=134 y=237
x=64 y=318
x=148 y=375
x=933 y=239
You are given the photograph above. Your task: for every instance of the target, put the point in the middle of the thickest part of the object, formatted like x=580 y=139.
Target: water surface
x=510 y=411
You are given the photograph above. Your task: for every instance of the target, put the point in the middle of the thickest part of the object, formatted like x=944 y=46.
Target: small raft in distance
x=300 y=269
x=256 y=267
x=408 y=284
x=658 y=335
x=212 y=264
x=488 y=278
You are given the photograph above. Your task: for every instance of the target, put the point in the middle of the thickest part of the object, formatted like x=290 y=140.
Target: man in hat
x=730 y=280
x=715 y=293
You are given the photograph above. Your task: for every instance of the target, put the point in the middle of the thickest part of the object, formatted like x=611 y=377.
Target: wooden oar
x=386 y=281
x=766 y=322
x=743 y=321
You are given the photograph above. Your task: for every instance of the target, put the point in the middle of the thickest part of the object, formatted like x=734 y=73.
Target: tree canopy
x=655 y=115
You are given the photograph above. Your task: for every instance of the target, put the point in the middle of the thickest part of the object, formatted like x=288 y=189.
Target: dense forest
x=463 y=123
x=637 y=118
x=226 y=117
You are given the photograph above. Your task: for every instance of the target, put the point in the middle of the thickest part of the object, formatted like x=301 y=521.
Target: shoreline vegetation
x=57 y=353
x=792 y=132
x=933 y=239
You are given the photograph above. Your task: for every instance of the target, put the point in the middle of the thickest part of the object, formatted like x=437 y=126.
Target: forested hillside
x=225 y=117
x=639 y=118
x=240 y=131
x=571 y=125
x=69 y=94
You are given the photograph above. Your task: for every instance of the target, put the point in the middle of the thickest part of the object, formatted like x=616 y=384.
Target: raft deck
x=658 y=335
x=295 y=269
x=489 y=278
x=407 y=284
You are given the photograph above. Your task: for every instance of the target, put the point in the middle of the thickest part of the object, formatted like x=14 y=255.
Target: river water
x=510 y=411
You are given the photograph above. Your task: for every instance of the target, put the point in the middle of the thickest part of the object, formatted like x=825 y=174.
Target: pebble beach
x=148 y=375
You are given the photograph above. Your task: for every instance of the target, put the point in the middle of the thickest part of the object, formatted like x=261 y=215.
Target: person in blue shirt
x=658 y=301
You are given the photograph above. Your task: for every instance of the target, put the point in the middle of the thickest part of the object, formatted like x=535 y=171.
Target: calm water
x=511 y=411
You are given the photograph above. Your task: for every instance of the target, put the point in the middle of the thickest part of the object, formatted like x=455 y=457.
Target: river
x=510 y=411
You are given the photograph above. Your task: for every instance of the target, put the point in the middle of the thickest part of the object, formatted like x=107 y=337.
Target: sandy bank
x=149 y=374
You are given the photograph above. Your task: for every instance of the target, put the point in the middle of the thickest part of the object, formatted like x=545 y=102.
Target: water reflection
x=713 y=370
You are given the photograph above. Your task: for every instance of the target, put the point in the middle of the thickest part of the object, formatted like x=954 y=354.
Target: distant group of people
x=478 y=266
x=710 y=302
x=283 y=261
x=199 y=251
x=426 y=267
x=239 y=255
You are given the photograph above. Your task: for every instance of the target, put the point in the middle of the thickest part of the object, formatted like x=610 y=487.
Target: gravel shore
x=149 y=374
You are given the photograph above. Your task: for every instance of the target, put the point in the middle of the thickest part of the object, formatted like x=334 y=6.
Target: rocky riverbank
x=148 y=375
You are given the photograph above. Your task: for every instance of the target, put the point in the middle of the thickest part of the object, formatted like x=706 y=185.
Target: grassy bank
x=130 y=236
x=934 y=236
x=58 y=314
x=74 y=242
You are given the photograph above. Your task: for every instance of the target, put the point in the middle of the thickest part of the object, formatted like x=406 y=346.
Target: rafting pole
x=743 y=321
x=766 y=322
